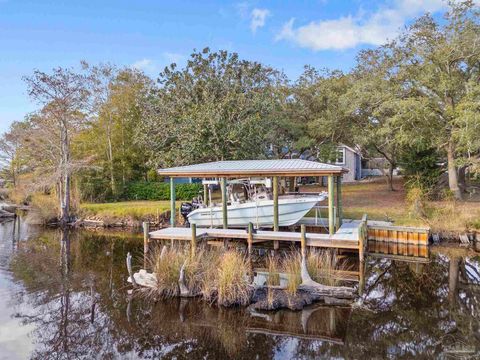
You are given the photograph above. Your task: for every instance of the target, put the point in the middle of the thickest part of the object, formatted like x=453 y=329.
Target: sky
x=151 y=34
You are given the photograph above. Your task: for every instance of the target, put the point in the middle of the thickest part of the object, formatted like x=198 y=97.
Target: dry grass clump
x=166 y=263
x=273 y=278
x=292 y=266
x=273 y=268
x=217 y=276
x=322 y=265
x=232 y=279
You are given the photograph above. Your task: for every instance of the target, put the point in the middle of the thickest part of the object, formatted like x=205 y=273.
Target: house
x=347 y=157
x=350 y=159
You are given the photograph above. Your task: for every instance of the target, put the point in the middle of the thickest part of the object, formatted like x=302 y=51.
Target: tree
x=109 y=138
x=218 y=107
x=375 y=100
x=441 y=70
x=10 y=152
x=319 y=113
x=63 y=96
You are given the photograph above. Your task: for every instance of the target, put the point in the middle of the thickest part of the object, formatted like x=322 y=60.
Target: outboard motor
x=185 y=209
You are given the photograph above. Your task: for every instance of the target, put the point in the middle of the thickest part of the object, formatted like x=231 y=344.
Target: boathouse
x=348 y=235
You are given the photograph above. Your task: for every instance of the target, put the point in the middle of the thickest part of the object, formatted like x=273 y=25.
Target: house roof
x=236 y=168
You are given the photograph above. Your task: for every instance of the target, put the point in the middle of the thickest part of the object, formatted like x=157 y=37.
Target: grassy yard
x=379 y=203
x=137 y=210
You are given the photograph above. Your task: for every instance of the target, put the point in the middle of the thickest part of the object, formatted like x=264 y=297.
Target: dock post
x=362 y=239
x=276 y=244
x=303 y=240
x=205 y=194
x=224 y=203
x=193 y=246
x=146 y=239
x=331 y=195
x=250 y=238
x=339 y=201
x=172 y=202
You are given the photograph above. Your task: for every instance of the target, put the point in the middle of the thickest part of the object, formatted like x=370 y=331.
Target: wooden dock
x=345 y=238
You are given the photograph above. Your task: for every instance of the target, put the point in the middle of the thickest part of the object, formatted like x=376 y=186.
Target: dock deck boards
x=345 y=238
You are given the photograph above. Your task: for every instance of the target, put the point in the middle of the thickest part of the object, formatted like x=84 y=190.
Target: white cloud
x=144 y=65
x=365 y=28
x=172 y=57
x=258 y=17
x=152 y=67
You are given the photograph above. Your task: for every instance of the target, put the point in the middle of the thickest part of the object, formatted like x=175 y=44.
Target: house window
x=340 y=156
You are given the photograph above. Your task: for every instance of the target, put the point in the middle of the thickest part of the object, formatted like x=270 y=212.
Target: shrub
x=142 y=190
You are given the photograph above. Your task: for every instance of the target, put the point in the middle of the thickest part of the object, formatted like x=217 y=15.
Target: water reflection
x=69 y=291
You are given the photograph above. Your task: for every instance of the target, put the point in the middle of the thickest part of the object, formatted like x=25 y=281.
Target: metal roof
x=234 y=168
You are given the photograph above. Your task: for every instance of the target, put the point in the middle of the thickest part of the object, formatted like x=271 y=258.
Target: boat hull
x=259 y=213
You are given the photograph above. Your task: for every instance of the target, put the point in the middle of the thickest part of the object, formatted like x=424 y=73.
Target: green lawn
x=137 y=210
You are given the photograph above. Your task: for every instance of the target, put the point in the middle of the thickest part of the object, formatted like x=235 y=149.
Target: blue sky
x=151 y=34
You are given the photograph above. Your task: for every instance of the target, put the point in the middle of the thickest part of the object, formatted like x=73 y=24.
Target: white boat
x=258 y=211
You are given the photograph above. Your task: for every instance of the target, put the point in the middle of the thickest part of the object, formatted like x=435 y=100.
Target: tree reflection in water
x=76 y=294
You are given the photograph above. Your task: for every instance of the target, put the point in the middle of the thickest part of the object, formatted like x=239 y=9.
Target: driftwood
x=129 y=268
x=142 y=278
x=184 y=291
x=6 y=214
x=308 y=285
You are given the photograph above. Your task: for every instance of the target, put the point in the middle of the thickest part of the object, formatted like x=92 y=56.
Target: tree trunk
x=391 y=167
x=110 y=156
x=65 y=175
x=462 y=178
x=452 y=172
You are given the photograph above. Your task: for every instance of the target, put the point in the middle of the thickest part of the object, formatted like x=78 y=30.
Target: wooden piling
x=224 y=203
x=193 y=245
x=146 y=230
x=362 y=239
x=276 y=244
x=250 y=238
x=172 y=202
x=331 y=195
x=303 y=240
x=339 y=202
x=205 y=194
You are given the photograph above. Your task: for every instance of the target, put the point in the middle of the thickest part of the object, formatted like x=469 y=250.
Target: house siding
x=350 y=164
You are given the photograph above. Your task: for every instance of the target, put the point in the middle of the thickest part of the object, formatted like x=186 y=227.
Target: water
x=64 y=295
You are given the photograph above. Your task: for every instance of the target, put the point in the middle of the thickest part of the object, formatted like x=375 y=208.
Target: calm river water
x=64 y=296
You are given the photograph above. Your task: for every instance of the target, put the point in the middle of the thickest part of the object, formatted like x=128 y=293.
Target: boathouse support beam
x=193 y=245
x=331 y=196
x=339 y=202
x=223 y=184
x=276 y=244
x=172 y=201
x=146 y=240
x=205 y=194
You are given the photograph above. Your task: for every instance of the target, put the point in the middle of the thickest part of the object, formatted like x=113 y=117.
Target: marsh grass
x=273 y=278
x=216 y=275
x=322 y=266
x=232 y=279
x=166 y=265
x=291 y=265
